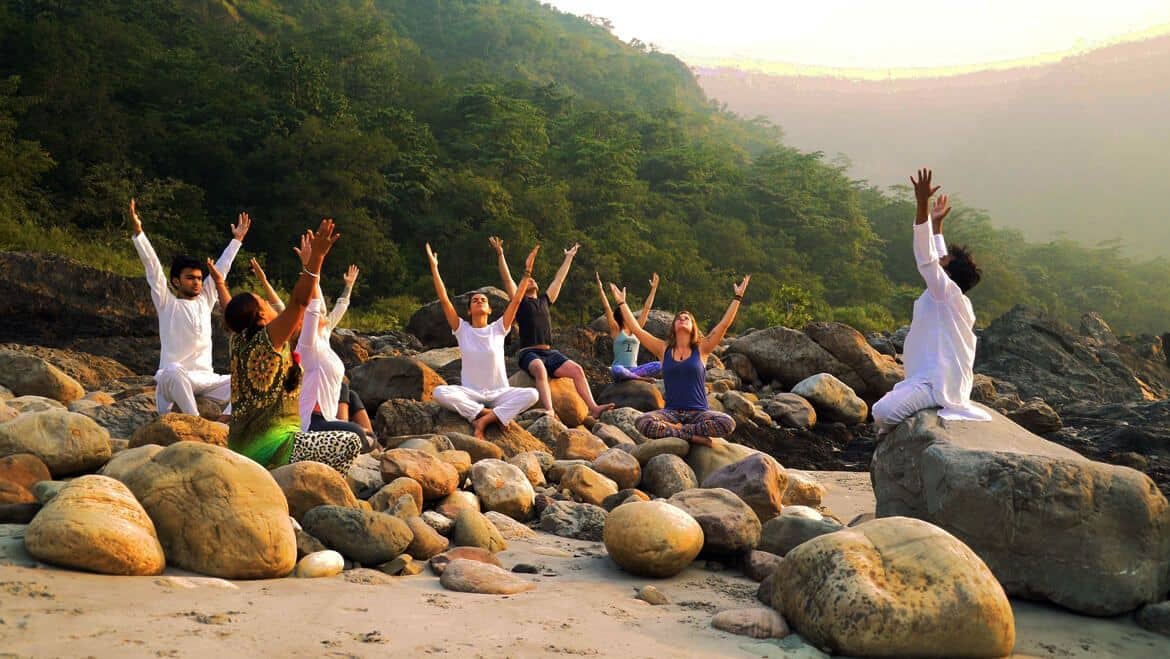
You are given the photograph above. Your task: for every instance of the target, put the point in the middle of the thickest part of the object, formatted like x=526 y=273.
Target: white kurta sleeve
x=938 y=284
x=155 y=276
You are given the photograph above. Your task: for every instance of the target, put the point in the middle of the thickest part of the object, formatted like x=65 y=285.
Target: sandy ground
x=582 y=606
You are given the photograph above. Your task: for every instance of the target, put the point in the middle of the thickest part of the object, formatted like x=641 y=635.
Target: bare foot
x=595 y=412
x=699 y=440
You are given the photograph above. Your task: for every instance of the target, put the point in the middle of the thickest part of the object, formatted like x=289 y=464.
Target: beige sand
x=582 y=606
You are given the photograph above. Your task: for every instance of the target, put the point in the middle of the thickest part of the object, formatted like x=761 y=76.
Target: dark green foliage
x=449 y=121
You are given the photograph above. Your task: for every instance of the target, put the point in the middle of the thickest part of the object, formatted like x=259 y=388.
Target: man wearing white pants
x=939 y=354
x=485 y=396
x=184 y=322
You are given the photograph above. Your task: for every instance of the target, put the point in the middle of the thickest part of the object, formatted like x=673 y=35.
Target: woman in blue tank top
x=684 y=372
x=625 y=344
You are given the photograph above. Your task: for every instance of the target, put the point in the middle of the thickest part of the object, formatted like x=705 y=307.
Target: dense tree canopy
x=449 y=121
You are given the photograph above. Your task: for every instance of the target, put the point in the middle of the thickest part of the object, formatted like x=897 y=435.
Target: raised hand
x=572 y=251
x=432 y=257
x=922 y=189
x=598 y=276
x=942 y=208
x=137 y=222
x=530 y=262
x=351 y=275
x=305 y=251
x=619 y=294
x=324 y=239
x=216 y=275
x=257 y=270
x=497 y=243
x=742 y=286
x=654 y=280
x=240 y=228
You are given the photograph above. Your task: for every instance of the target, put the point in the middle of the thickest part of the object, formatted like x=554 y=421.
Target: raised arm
x=314 y=247
x=341 y=304
x=711 y=341
x=613 y=326
x=649 y=304
x=225 y=296
x=650 y=342
x=224 y=264
x=926 y=254
x=155 y=277
x=554 y=289
x=453 y=319
x=269 y=292
x=502 y=262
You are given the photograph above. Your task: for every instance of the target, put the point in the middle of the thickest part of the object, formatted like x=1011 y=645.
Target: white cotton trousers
x=175 y=385
x=507 y=403
x=902 y=402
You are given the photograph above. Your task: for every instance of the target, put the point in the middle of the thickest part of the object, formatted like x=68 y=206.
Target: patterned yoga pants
x=336 y=448
x=684 y=424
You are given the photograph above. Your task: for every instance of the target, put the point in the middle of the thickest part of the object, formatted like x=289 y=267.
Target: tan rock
x=757 y=479
x=68 y=443
x=176 y=427
x=579 y=444
x=390 y=493
x=461 y=460
x=26 y=375
x=529 y=464
x=94 y=523
x=706 y=460
x=666 y=445
x=307 y=485
x=652 y=538
x=503 y=488
x=802 y=489
x=437 y=478
x=620 y=466
x=427 y=541
x=756 y=623
x=567 y=403
x=23 y=469
x=466 y=576
x=588 y=485
x=128 y=460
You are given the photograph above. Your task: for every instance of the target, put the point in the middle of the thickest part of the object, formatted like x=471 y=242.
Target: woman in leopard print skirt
x=266 y=376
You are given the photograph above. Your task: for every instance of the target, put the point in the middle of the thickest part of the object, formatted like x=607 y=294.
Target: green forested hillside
x=448 y=121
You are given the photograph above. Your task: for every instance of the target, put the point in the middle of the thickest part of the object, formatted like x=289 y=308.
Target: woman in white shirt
x=484 y=397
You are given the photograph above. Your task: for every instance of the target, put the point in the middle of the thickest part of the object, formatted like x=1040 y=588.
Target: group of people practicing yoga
x=287 y=405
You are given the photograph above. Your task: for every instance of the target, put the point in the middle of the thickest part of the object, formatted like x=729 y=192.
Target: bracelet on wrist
x=738 y=298
x=305 y=271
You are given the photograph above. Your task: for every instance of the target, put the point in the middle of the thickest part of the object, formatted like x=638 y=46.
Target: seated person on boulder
x=537 y=358
x=625 y=344
x=267 y=376
x=484 y=397
x=184 y=321
x=323 y=390
x=940 y=349
x=684 y=373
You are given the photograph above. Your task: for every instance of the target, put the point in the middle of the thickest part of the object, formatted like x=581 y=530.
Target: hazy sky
x=874 y=34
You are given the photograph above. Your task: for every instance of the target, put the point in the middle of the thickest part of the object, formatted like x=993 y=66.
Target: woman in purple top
x=684 y=372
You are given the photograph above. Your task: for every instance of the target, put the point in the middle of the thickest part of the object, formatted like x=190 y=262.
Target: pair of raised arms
x=923 y=191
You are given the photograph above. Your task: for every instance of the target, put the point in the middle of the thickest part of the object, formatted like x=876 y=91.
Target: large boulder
x=788 y=356
x=652 y=538
x=387 y=378
x=567 y=403
x=216 y=512
x=128 y=460
x=308 y=484
x=429 y=323
x=399 y=417
x=833 y=399
x=67 y=442
x=666 y=475
x=637 y=394
x=94 y=523
x=176 y=427
x=90 y=371
x=729 y=526
x=27 y=375
x=437 y=478
x=758 y=480
x=1050 y=523
x=879 y=372
x=706 y=460
x=895 y=587
x=504 y=488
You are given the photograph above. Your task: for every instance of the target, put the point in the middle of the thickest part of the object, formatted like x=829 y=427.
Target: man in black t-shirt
x=536 y=355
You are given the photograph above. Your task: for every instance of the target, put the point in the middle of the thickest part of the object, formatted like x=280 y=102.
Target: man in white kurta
x=939 y=352
x=184 y=326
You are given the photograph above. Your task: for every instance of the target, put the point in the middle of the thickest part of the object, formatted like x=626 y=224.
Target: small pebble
x=526 y=568
x=652 y=595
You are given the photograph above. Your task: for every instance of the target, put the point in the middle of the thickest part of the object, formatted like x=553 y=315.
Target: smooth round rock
x=437 y=478
x=439 y=562
x=466 y=576
x=652 y=538
x=308 y=484
x=587 y=485
x=320 y=564
x=503 y=488
x=367 y=537
x=472 y=529
x=68 y=443
x=666 y=475
x=729 y=525
x=756 y=623
x=619 y=466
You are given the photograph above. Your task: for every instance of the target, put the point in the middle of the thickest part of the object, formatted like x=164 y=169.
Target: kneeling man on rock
x=939 y=354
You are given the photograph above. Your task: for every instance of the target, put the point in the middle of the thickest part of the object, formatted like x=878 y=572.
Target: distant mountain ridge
x=1079 y=148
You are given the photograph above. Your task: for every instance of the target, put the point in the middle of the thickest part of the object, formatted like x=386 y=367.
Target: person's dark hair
x=183 y=262
x=620 y=319
x=242 y=316
x=962 y=269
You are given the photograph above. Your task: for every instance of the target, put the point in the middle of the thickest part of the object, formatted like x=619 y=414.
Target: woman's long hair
x=242 y=317
x=696 y=333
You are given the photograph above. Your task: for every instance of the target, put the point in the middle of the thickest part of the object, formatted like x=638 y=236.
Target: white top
x=324 y=370
x=482 y=350
x=940 y=348
x=184 y=326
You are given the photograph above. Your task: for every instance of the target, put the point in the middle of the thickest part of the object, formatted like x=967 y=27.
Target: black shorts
x=552 y=359
x=351 y=398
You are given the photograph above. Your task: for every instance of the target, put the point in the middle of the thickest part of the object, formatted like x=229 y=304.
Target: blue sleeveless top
x=625 y=350
x=685 y=381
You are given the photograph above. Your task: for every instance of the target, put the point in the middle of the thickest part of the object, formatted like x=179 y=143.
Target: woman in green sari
x=266 y=374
